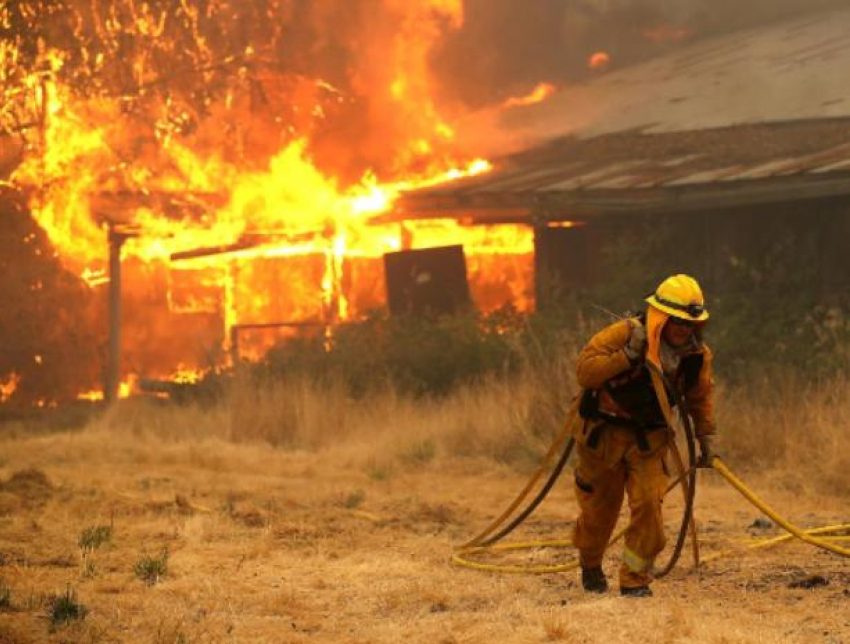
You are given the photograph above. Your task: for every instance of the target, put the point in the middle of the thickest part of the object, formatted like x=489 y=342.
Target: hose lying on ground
x=774 y=516
x=484 y=537
x=828 y=543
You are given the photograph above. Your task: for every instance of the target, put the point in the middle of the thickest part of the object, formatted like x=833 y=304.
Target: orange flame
x=126 y=388
x=9 y=386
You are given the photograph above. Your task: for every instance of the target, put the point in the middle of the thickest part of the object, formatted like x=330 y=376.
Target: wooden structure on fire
x=737 y=134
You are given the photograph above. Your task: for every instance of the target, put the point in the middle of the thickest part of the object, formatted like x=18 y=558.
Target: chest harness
x=633 y=393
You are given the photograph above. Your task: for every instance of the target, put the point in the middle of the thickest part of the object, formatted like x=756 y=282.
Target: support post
x=113 y=367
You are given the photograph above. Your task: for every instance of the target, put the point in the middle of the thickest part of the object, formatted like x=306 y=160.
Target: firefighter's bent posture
x=622 y=433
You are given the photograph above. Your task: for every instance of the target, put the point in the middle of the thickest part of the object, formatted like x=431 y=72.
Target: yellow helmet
x=681 y=297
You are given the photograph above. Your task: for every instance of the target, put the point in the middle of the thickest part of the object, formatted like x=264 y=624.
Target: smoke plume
x=506 y=47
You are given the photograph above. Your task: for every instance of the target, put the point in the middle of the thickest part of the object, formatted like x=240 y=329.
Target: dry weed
x=785 y=423
x=795 y=427
x=556 y=627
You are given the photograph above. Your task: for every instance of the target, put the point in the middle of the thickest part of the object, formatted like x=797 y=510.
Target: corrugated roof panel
x=633 y=161
x=680 y=160
x=528 y=179
x=795 y=165
x=594 y=178
x=705 y=176
x=764 y=169
x=840 y=165
x=620 y=182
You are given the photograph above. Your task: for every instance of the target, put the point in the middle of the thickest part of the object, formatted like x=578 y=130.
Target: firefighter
x=622 y=434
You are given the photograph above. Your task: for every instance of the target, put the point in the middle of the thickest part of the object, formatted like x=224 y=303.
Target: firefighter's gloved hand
x=706 y=450
x=636 y=346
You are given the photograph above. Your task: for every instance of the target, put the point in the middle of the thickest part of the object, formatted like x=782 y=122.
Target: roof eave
x=549 y=206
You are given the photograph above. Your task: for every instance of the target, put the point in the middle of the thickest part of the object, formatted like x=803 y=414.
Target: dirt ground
x=268 y=545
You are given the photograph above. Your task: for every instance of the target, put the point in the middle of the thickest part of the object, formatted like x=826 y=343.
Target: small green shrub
x=150 y=568
x=420 y=453
x=353 y=500
x=94 y=537
x=416 y=355
x=378 y=471
x=64 y=608
x=88 y=569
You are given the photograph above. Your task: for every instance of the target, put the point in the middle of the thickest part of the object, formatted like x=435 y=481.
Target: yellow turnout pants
x=617 y=465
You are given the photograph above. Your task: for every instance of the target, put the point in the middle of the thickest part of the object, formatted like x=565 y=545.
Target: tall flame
x=540 y=93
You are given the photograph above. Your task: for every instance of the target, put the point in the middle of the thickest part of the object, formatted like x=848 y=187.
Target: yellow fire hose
x=498 y=521
x=808 y=536
x=772 y=541
x=774 y=516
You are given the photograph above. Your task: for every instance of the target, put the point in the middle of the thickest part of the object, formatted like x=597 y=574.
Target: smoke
x=505 y=47
x=367 y=82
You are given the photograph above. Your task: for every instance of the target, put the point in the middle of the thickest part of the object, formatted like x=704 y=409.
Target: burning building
x=248 y=167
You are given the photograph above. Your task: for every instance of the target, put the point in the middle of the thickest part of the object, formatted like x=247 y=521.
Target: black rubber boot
x=593 y=580
x=637 y=591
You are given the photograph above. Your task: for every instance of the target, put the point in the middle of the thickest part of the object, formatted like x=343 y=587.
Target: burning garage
x=231 y=197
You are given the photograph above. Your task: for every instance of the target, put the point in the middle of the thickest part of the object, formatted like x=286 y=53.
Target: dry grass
x=796 y=428
x=293 y=515
x=507 y=421
x=784 y=423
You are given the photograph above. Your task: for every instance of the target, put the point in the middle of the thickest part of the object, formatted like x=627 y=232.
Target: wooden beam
x=211 y=251
x=248 y=241
x=473 y=215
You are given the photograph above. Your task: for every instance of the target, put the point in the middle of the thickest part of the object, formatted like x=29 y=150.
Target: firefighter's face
x=677 y=332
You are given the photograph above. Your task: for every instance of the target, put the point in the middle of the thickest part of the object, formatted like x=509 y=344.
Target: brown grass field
x=291 y=515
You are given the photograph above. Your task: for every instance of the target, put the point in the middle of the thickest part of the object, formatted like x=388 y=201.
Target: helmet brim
x=676 y=313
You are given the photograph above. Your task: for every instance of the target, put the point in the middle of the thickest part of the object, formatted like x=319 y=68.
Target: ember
x=599 y=60
x=8 y=387
x=539 y=94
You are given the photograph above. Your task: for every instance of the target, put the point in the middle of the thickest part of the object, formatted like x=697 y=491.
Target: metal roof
x=784 y=71
x=759 y=116
x=572 y=178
